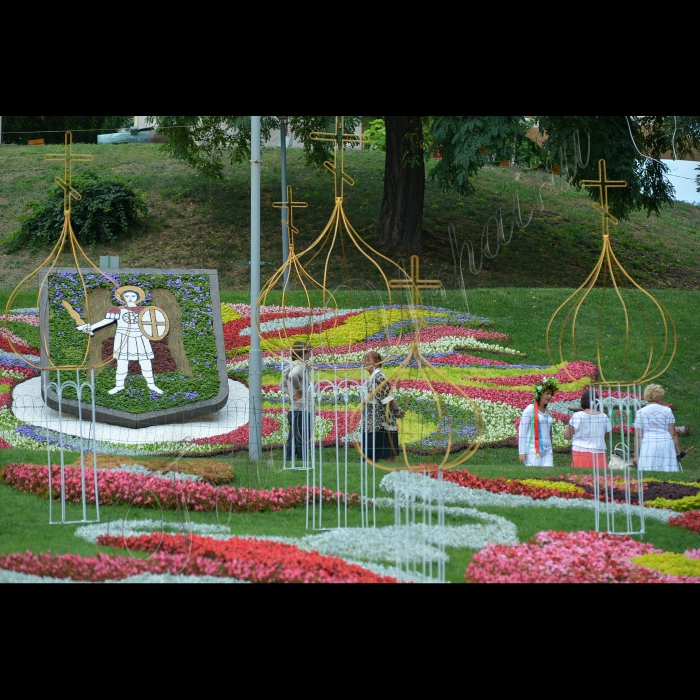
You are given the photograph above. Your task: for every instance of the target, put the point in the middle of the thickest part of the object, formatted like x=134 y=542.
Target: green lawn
x=196 y=223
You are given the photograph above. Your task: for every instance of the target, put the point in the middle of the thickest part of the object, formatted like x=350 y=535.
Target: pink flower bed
x=247 y=560
x=567 y=557
x=692 y=553
x=4 y=445
x=151 y=491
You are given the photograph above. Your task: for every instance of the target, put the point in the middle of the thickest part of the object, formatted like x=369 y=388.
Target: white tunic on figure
x=657 y=451
x=526 y=441
x=129 y=342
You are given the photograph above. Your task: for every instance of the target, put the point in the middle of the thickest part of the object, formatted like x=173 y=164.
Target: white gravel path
x=28 y=407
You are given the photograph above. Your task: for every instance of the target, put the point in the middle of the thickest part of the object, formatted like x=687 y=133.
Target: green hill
x=196 y=223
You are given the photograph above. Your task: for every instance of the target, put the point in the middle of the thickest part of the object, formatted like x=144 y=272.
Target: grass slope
x=197 y=223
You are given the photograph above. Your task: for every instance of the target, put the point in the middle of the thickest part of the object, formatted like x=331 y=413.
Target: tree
x=52 y=129
x=631 y=146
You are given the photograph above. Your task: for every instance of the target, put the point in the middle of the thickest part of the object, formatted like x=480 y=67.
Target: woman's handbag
x=620 y=458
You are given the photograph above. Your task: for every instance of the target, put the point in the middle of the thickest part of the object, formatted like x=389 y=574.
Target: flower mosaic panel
x=478 y=358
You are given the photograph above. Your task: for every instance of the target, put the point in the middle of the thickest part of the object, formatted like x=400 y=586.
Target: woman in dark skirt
x=379 y=430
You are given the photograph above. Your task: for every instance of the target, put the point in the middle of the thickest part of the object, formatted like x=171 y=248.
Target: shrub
x=107 y=209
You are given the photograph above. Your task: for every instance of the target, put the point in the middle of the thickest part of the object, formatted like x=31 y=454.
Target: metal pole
x=255 y=358
x=285 y=212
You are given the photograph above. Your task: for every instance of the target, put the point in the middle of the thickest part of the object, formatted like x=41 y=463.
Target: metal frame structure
x=79 y=385
x=618 y=404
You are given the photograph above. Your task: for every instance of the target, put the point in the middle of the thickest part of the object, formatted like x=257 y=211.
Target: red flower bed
x=240 y=435
x=4 y=445
x=192 y=555
x=688 y=521
x=257 y=561
x=462 y=477
x=20 y=346
x=147 y=491
x=567 y=557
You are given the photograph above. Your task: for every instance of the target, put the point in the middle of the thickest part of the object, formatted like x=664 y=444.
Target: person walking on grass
x=535 y=434
x=587 y=430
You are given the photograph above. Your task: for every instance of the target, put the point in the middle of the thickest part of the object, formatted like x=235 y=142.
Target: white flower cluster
x=135 y=528
x=463 y=496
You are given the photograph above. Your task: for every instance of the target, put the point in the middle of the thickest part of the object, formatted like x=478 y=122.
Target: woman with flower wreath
x=535 y=435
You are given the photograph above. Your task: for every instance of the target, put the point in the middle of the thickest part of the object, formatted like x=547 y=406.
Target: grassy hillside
x=196 y=223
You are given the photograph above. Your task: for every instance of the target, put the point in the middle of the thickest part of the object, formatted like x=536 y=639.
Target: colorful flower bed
x=534 y=488
x=257 y=561
x=568 y=557
x=464 y=347
x=153 y=491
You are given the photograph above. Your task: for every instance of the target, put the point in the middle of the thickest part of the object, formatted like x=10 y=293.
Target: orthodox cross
x=603 y=185
x=66 y=183
x=290 y=205
x=414 y=282
x=339 y=138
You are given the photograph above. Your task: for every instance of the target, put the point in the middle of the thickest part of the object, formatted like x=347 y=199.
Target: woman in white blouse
x=535 y=433
x=587 y=430
x=656 y=445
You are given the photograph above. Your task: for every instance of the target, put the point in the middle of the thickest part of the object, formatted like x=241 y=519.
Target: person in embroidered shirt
x=130 y=344
x=535 y=434
x=378 y=426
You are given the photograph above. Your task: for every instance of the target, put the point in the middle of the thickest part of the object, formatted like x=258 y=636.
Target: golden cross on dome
x=603 y=185
x=414 y=282
x=290 y=205
x=66 y=183
x=339 y=138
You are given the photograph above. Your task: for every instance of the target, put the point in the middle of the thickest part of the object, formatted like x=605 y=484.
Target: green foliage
x=465 y=145
x=631 y=146
x=203 y=142
x=375 y=135
x=52 y=129
x=108 y=208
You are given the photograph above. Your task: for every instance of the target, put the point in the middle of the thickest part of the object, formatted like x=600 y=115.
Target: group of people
x=380 y=412
x=656 y=445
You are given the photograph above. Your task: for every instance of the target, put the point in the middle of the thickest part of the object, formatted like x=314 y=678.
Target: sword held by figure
x=80 y=324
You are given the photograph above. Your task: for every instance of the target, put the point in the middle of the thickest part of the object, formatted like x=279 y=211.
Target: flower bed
x=246 y=560
x=534 y=488
x=153 y=491
x=688 y=521
x=568 y=557
x=463 y=346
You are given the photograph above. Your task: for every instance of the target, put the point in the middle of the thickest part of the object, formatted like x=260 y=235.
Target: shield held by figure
x=154 y=323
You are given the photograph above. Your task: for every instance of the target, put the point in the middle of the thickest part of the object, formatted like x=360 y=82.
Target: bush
x=107 y=209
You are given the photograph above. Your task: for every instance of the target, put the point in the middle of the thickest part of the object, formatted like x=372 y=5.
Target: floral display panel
x=156 y=341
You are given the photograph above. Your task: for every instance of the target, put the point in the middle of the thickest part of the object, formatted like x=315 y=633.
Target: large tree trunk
x=401 y=220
